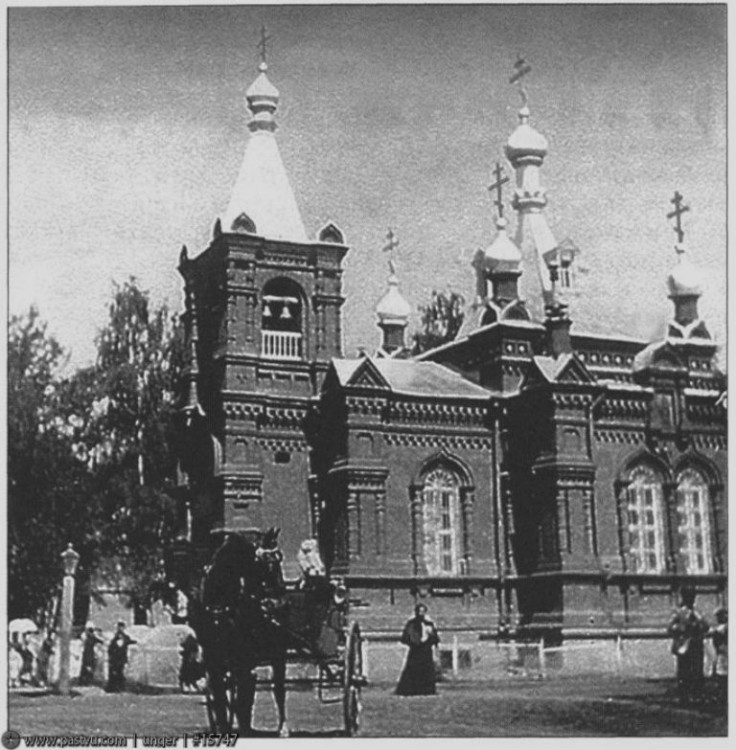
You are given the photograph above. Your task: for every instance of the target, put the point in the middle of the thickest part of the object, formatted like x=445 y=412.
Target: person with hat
x=420 y=635
x=89 y=655
x=719 y=634
x=687 y=628
x=117 y=658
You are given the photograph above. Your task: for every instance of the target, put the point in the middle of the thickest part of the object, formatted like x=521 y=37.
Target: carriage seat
x=318 y=613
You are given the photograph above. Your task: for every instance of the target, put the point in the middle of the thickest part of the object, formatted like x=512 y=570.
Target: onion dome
x=685 y=279
x=503 y=255
x=525 y=142
x=262 y=98
x=393 y=308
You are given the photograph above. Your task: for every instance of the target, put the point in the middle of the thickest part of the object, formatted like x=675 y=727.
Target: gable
x=573 y=371
x=367 y=376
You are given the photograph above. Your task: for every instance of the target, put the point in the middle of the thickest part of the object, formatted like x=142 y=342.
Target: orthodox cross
x=392 y=243
x=521 y=68
x=263 y=43
x=677 y=213
x=497 y=185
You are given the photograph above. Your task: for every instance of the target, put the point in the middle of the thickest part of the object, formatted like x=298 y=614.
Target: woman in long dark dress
x=420 y=635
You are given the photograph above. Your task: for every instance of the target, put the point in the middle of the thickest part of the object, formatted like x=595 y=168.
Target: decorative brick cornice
x=243 y=487
x=622 y=407
x=572 y=400
x=420 y=440
x=622 y=436
x=437 y=413
x=282 y=444
x=709 y=442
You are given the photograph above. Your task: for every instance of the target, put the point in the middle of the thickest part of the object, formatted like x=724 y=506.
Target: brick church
x=526 y=477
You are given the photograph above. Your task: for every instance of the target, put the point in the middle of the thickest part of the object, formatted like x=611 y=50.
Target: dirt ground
x=603 y=707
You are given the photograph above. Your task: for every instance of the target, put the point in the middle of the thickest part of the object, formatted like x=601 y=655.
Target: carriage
x=248 y=617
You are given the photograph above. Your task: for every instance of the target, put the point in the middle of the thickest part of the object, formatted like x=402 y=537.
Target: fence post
x=455 y=659
x=542 y=664
x=619 y=655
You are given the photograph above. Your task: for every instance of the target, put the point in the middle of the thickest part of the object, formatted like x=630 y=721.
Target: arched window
x=281 y=320
x=693 y=522
x=644 y=521
x=442 y=524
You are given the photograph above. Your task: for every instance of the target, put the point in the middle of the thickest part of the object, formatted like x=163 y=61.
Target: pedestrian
x=192 y=669
x=117 y=658
x=89 y=655
x=26 y=653
x=687 y=628
x=43 y=660
x=719 y=633
x=418 y=676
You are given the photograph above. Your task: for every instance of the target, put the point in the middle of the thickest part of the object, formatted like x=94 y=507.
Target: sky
x=127 y=128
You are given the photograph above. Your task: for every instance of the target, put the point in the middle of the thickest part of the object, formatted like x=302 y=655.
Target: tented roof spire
x=262 y=200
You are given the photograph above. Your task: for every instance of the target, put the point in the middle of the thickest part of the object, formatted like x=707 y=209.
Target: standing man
x=117 y=658
x=720 y=643
x=420 y=635
x=89 y=655
x=687 y=629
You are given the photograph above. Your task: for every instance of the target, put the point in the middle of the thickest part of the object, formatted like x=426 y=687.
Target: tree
x=441 y=320
x=91 y=457
x=47 y=486
x=131 y=434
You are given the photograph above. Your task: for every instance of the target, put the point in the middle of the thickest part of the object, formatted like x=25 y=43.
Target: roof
x=262 y=190
x=408 y=377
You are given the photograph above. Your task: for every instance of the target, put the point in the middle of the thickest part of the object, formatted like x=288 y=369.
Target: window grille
x=644 y=521
x=693 y=522
x=442 y=523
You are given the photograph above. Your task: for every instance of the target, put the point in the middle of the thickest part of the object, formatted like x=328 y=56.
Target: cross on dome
x=521 y=68
x=501 y=180
x=392 y=242
x=677 y=213
x=263 y=44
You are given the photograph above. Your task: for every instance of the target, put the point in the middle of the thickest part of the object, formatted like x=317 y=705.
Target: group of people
x=34 y=659
x=689 y=629
x=117 y=656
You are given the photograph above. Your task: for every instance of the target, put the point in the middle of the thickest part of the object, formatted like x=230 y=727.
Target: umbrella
x=22 y=625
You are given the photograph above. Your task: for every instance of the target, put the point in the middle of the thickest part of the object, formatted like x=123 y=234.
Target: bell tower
x=263 y=320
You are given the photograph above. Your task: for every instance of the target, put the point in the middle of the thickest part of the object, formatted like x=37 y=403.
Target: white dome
x=685 y=279
x=502 y=254
x=392 y=307
x=525 y=140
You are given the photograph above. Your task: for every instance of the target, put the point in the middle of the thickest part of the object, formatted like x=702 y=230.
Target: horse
x=238 y=623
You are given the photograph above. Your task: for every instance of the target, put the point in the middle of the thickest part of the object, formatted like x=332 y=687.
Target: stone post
x=70 y=559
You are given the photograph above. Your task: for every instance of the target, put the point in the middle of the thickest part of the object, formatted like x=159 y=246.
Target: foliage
x=47 y=486
x=91 y=457
x=441 y=320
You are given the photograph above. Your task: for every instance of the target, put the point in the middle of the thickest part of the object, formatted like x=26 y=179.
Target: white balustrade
x=281 y=345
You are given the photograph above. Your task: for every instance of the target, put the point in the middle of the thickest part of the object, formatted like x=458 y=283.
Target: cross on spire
x=497 y=186
x=521 y=68
x=677 y=213
x=392 y=242
x=263 y=43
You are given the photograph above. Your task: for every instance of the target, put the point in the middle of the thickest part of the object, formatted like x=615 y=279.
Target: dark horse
x=238 y=622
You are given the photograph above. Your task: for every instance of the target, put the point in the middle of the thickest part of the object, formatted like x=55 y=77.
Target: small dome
x=684 y=279
x=393 y=308
x=525 y=140
x=502 y=255
x=262 y=87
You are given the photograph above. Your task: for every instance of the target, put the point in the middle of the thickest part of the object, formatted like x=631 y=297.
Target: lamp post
x=70 y=558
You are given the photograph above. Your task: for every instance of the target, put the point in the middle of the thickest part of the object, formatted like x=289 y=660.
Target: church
x=525 y=478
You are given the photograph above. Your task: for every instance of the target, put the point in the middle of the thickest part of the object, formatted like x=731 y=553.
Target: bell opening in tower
x=281 y=320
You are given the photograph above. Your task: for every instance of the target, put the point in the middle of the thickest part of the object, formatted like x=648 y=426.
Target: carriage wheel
x=353 y=680
x=230 y=693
